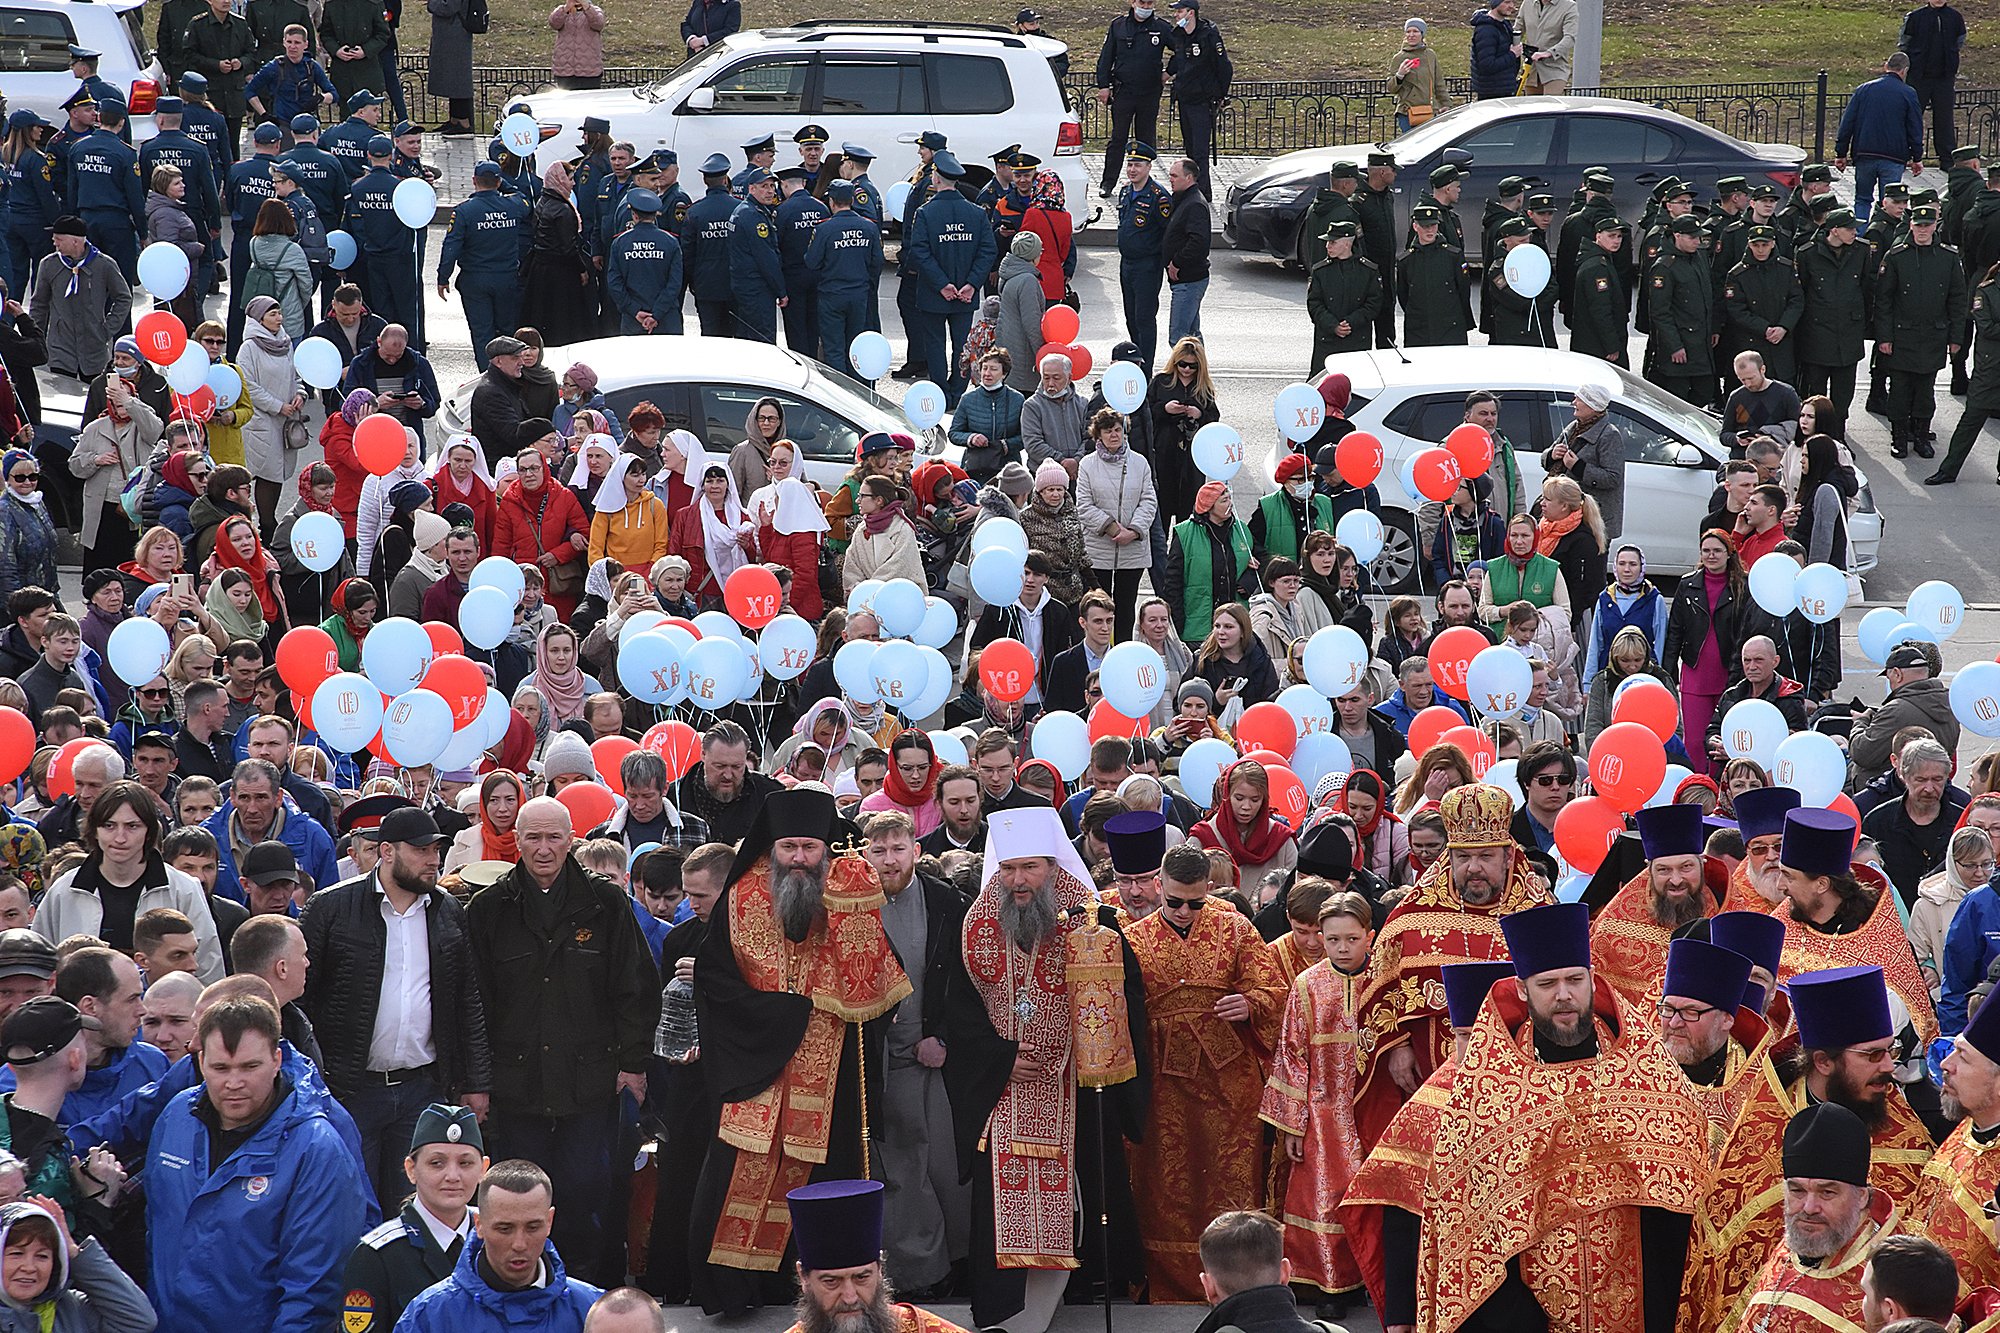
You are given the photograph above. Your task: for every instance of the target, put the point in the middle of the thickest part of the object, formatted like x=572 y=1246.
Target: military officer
x=1143 y=205
x=1447 y=183
x=83 y=67
x=799 y=215
x=1507 y=200
x=705 y=249
x=204 y=124
x=82 y=109
x=1680 y=351
x=420 y=1246
x=1676 y=200
x=648 y=173
x=1541 y=213
x=854 y=163
x=1376 y=203
x=908 y=282
x=1597 y=301
x=995 y=192
x=952 y=248
x=105 y=190
x=1342 y=296
x=1762 y=302
x=485 y=244
x=1656 y=205
x=322 y=175
x=1885 y=228
x=1577 y=238
x=589 y=168
x=1921 y=303
x=172 y=146
x=1509 y=318
x=845 y=258
x=811 y=141
x=756 y=274
x=1795 y=219
x=250 y=183
x=348 y=141
x=389 y=248
x=1334 y=203
x=642 y=275
x=760 y=151
x=1832 y=331
x=1431 y=285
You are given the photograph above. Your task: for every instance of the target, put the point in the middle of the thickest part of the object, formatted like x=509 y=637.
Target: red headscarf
x=305 y=492
x=893 y=785
x=1054 y=776
x=340 y=602
x=498 y=846
x=175 y=473
x=517 y=747
x=1381 y=795
x=1267 y=836
x=257 y=566
x=925 y=479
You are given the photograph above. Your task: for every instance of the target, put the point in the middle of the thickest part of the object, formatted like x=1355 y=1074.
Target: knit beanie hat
x=568 y=754
x=1051 y=473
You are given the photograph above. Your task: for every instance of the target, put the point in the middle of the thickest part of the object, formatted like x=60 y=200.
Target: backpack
x=262 y=280
x=478 y=18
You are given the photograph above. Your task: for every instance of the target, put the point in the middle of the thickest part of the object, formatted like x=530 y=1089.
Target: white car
x=879 y=85
x=709 y=385
x=35 y=37
x=1673 y=451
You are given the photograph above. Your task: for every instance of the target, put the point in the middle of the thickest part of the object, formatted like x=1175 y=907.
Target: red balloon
x=588 y=804
x=306 y=657
x=1007 y=670
x=62 y=770
x=1585 y=830
x=1451 y=656
x=1108 y=721
x=1358 y=458
x=684 y=623
x=1651 y=705
x=162 y=337
x=1627 y=765
x=677 y=743
x=1428 y=727
x=379 y=444
x=1436 y=475
x=1472 y=447
x=1060 y=324
x=460 y=683
x=751 y=594
x=17 y=744
x=1478 y=748
x=607 y=752
x=1289 y=798
x=1079 y=358
x=1845 y=804
x=1267 y=726
x=444 y=639
x=196 y=406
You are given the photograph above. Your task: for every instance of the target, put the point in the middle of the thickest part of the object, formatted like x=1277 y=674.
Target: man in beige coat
x=1548 y=31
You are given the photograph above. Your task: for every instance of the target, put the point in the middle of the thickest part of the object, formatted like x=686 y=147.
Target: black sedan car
x=1551 y=140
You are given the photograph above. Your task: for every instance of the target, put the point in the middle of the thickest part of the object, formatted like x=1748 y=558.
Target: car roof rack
x=921 y=24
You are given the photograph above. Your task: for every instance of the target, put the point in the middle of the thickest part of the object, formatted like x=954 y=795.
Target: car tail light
x=145 y=94
x=549 y=131
x=1069 y=138
x=1786 y=180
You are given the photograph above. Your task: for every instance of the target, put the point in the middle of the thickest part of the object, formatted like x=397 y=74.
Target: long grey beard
x=879 y=1317
x=800 y=897
x=1675 y=913
x=1821 y=1246
x=1028 y=926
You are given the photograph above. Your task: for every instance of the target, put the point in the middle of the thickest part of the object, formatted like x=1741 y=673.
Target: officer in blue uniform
x=953 y=248
x=348 y=141
x=309 y=232
x=388 y=247
x=759 y=152
x=83 y=64
x=647 y=174
x=174 y=147
x=674 y=201
x=642 y=276
x=590 y=168
x=845 y=260
x=250 y=183
x=756 y=274
x=854 y=163
x=82 y=109
x=995 y=190
x=32 y=206
x=105 y=191
x=322 y=175
x=486 y=242
x=929 y=144
x=799 y=216
x=705 y=249
x=1143 y=205
x=517 y=174
x=811 y=141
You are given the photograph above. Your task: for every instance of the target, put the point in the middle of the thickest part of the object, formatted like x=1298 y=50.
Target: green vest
x=1198 y=573
x=52 y=1177
x=1281 y=527
x=1536 y=584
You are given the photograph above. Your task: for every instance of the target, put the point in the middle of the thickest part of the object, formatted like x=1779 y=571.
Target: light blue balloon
x=492 y=720
x=465 y=749
x=347 y=711
x=164 y=270
x=863 y=596
x=1570 y=887
x=719 y=625
x=640 y=622
x=1319 y=756
x=870 y=355
x=1813 y=764
x=1504 y=776
x=940 y=623
x=415 y=202
x=318 y=361
x=1123 y=387
x=923 y=404
x=786 y=646
x=1498 y=681
x=1201 y=768
x=1334 y=659
x=1774 y=584
x=416 y=727
x=1527 y=270
x=1311 y=713
x=225 y=384
x=1975 y=698
x=900 y=607
x=396 y=655
x=497 y=571
x=1004 y=533
x=1218 y=451
x=1663 y=795
x=138 y=650
x=649 y=667
x=1064 y=740
x=1937 y=607
x=893 y=199
x=485 y=617
x=521 y=134
x=1299 y=410
x=1407 y=475
x=1871 y=636
x=948 y=747
x=1909 y=631
x=189 y=371
x=715 y=672
x=937 y=689
x=318 y=541
x=344 y=250
x=996 y=575
x=899 y=673
x=1754 y=729
x=853 y=671
x=1134 y=678
x=1360 y=531
x=1822 y=593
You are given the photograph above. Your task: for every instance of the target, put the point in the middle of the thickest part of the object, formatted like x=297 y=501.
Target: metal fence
x=1279 y=115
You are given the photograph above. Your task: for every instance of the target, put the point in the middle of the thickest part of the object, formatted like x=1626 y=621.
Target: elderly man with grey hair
x=1914 y=832
x=258 y=811
x=1055 y=418
x=1761 y=680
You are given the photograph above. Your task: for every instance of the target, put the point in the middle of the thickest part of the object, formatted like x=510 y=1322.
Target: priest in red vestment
x=843 y=1287
x=1628 y=940
x=1959 y=1183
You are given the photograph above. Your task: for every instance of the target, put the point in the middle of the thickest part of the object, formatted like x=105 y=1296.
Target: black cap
x=1445 y=175
x=1510 y=186
x=365 y=816
x=1903 y=657
x=1326 y=850
x=1340 y=231
x=1541 y=203
x=1764 y=192
x=40 y=1028
x=1762 y=232
x=1343 y=171
x=1728 y=185
x=1381 y=158
x=933 y=140
x=1969 y=153
x=1005 y=156
x=1427 y=214
x=1819 y=173
x=1826 y=1141
x=1840 y=217
x=23 y=953
x=410 y=825
x=1027 y=16
x=1923 y=213
x=811 y=134
x=1514 y=227
x=270 y=863
x=595 y=125
x=438 y=1123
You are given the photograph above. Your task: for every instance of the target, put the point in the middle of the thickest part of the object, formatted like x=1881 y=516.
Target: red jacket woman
x=461 y=478
x=1048 y=217
x=336 y=438
x=540 y=521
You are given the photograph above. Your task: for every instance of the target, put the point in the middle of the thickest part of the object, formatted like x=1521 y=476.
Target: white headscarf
x=794 y=506
x=479 y=469
x=719 y=532
x=611 y=491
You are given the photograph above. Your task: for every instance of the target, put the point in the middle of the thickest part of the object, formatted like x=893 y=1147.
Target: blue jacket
x=846 y=254
x=705 y=235
x=755 y=271
x=260 y=1240
x=133 y=1068
x=1397 y=709
x=565 y=416
x=466 y=1303
x=1496 y=70
x=996 y=414
x=311 y=844
x=1444 y=551
x=104 y=178
x=951 y=245
x=364 y=372
x=643 y=274
x=1882 y=119
x=1615 y=610
x=488 y=235
x=1970 y=947
x=287 y=87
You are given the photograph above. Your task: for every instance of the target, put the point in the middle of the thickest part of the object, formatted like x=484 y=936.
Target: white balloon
x=1310 y=711
x=416 y=727
x=948 y=746
x=164 y=270
x=317 y=541
x=1527 y=269
x=939 y=625
x=1298 y=410
x=1123 y=386
x=640 y=622
x=899 y=673
x=1318 y=756
x=1501 y=775
x=937 y=689
x=347 y=711
x=1975 y=698
x=923 y=404
x=1671 y=783
x=138 y=650
x=1754 y=729
x=852 y=670
x=1774 y=584
x=189 y=370
x=415 y=203
x=1936 y=606
x=1498 y=681
x=521 y=134
x=893 y=199
x=1360 y=531
x=485 y=617
x=1813 y=764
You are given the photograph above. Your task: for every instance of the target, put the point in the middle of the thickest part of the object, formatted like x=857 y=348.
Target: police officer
x=1431 y=285
x=1921 y=303
x=811 y=142
x=172 y=146
x=845 y=258
x=1763 y=304
x=1342 y=296
x=590 y=167
x=1446 y=185
x=1680 y=351
x=1143 y=205
x=1201 y=70
x=106 y=192
x=1505 y=203
x=1833 y=322
x=419 y=1247
x=642 y=274
x=908 y=282
x=759 y=152
x=756 y=274
x=1598 y=305
x=250 y=183
x=1376 y=203
x=1334 y=203
x=32 y=205
x=486 y=242
x=1130 y=79
x=348 y=141
x=705 y=249
x=388 y=248
x=1509 y=318
x=1885 y=228
x=320 y=173
x=954 y=251
x=854 y=163
x=798 y=217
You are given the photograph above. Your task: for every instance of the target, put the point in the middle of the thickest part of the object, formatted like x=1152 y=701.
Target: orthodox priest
x=1046 y=1065
x=1628 y=941
x=794 y=962
x=1962 y=1179
x=843 y=1282
x=1722 y=1047
x=1567 y=1159
x=1757 y=884
x=1760 y=937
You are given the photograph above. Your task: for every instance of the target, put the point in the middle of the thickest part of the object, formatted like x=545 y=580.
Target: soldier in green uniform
x=1334 y=203
x=1762 y=304
x=1342 y=297
x=1447 y=183
x=1982 y=402
x=419 y=1247
x=1962 y=186
x=1816 y=220
x=1920 y=305
x=1795 y=219
x=1505 y=203
x=1981 y=230
x=1885 y=228
x=1676 y=200
x=1656 y=207
x=1431 y=285
x=1541 y=214
x=1680 y=349
x=1597 y=301
x=1578 y=231
x=1509 y=318
x=1832 y=332
x=1376 y=203
x=1734 y=245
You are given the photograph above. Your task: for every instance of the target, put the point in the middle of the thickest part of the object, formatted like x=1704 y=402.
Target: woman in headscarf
x=884 y=544
x=1631 y=602
x=55 y=1284
x=828 y=725
x=237 y=547
x=749 y=462
x=1039 y=777
x=378 y=506
x=277 y=397
x=1521 y=573
x=336 y=439
x=531 y=708
x=355 y=607
x=108 y=451
x=1047 y=216
x=789 y=523
x=1242 y=824
x=631 y=524
x=183 y=477
x=580 y=394
x=591 y=466
x=1968 y=865
x=598 y=598
x=1384 y=841
x=460 y=477
x=27 y=534
x=516 y=748
x=1336 y=391
x=490 y=837
x=558 y=678
x=538 y=521
x=555 y=274
x=305 y=591
x=103 y=611
x=911 y=782
x=713 y=536
x=670 y=586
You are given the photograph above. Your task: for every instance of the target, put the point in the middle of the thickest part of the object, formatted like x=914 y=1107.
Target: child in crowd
x=1304 y=944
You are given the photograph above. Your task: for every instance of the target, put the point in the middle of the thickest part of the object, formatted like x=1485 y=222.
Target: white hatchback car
x=35 y=37
x=1673 y=450
x=879 y=85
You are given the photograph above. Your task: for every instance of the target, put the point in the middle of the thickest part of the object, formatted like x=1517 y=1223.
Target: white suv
x=35 y=37
x=875 y=84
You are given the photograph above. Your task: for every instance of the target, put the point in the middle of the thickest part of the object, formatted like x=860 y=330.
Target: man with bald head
x=572 y=998
x=166 y=1014
x=1761 y=680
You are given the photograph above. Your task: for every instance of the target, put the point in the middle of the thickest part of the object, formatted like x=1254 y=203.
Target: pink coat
x=579 y=50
